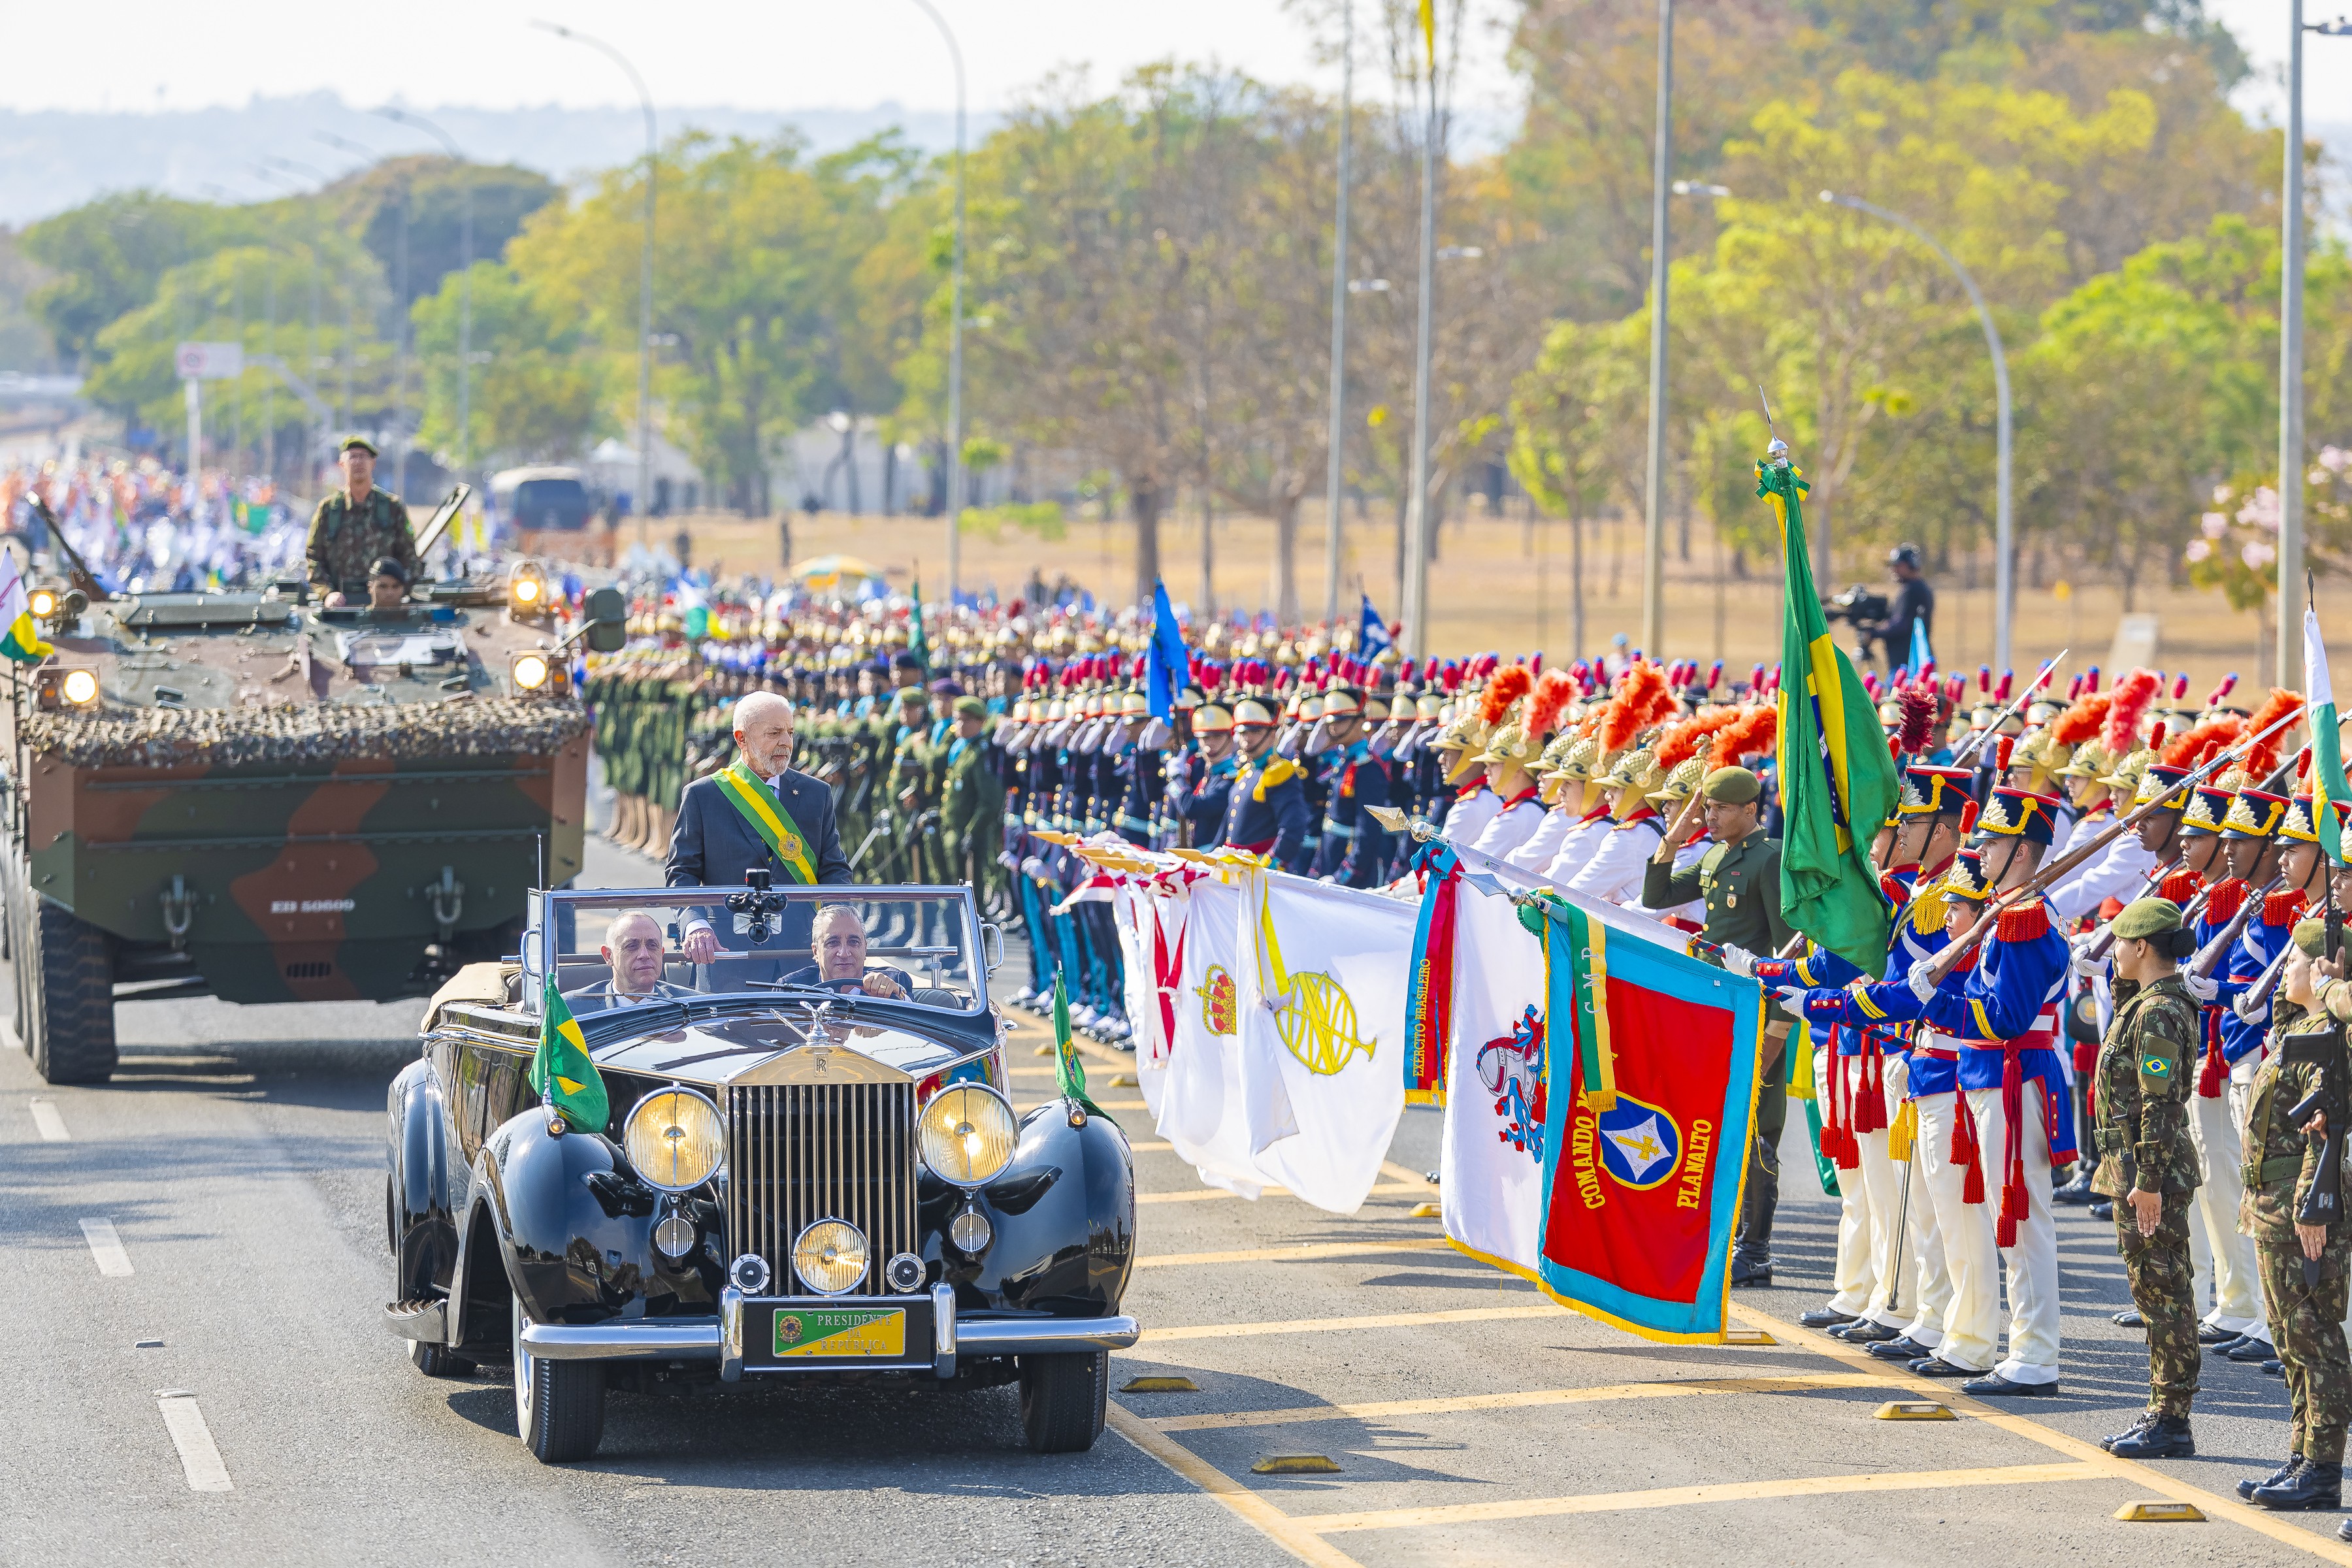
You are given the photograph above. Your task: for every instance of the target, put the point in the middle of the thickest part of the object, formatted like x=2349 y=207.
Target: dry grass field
x=1509 y=584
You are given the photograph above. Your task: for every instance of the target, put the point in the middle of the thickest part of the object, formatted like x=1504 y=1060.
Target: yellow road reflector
x=1748 y=1337
x=2160 y=1514
x=1043 y=1051
x=1122 y=1080
x=1915 y=1410
x=1160 y=1385
x=1422 y=1211
x=1295 y=1465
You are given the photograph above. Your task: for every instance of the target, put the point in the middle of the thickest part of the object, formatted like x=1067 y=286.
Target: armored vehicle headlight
x=43 y=601
x=967 y=1134
x=527 y=589
x=675 y=1140
x=81 y=687
x=830 y=1256
x=531 y=671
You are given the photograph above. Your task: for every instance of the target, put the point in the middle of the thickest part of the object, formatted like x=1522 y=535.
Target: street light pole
x=1654 y=507
x=1335 y=471
x=645 y=272
x=2004 y=534
x=955 y=323
x=464 y=279
x=1416 y=513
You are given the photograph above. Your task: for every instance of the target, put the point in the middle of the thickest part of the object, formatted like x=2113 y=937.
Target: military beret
x=2311 y=936
x=906 y=659
x=360 y=443
x=945 y=687
x=2144 y=918
x=386 y=566
x=909 y=695
x=971 y=708
x=1733 y=786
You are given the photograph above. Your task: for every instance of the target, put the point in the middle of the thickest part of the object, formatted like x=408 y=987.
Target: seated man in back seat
x=632 y=947
x=838 y=935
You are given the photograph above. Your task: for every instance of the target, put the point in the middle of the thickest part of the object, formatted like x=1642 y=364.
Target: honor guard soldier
x=1354 y=848
x=1266 y=811
x=2148 y=1163
x=1200 y=791
x=356 y=527
x=1739 y=880
x=2303 y=1265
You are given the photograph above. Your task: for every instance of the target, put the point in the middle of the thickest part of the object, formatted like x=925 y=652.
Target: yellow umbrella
x=832 y=573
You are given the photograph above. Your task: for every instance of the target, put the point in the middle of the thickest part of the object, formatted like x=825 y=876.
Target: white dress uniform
x=1545 y=841
x=1519 y=820
x=1473 y=809
x=1618 y=862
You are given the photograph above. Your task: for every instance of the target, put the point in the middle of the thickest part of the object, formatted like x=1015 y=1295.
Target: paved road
x=191 y=1279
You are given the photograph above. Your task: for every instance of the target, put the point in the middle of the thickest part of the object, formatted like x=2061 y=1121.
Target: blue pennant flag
x=1373 y=637
x=1168 y=665
x=1922 y=655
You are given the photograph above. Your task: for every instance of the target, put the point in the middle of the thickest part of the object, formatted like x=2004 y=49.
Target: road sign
x=209 y=361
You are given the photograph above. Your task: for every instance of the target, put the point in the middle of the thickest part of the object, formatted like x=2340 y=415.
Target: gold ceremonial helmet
x=1681 y=784
x=1634 y=774
x=1509 y=745
x=2089 y=761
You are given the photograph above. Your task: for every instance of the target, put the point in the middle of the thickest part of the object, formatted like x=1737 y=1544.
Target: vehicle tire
x=559 y=1405
x=1062 y=1400
x=439 y=1361
x=65 y=982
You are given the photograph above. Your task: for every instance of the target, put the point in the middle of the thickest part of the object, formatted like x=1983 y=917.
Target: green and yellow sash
x=750 y=794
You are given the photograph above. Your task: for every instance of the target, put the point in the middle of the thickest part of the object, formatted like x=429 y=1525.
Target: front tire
x=1063 y=1398
x=559 y=1405
x=65 y=977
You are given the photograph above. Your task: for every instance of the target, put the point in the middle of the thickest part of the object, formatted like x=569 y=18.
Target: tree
x=535 y=396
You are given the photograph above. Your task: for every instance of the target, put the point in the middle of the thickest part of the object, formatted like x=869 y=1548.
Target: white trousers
x=2033 y=1264
x=1866 y=1197
x=2214 y=1127
x=1971 y=1335
x=1915 y=1288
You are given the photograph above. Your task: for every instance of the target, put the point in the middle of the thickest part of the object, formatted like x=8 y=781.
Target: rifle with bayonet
x=1968 y=747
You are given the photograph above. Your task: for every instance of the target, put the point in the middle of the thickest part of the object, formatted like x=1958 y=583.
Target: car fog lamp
x=674 y=1237
x=673 y=1140
x=970 y=1231
x=830 y=1256
x=531 y=671
x=43 y=602
x=81 y=687
x=904 y=1272
x=749 y=1274
x=967 y=1135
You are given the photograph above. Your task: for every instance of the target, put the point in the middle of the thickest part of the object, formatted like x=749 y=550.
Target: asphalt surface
x=238 y=1159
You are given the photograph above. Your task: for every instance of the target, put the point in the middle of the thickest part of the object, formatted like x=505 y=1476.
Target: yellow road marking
x=1151 y=1148
x=1202 y=1195
x=2215 y=1503
x=1246 y=1504
x=1310 y=1253
x=1386 y=1410
x=1373 y=1320
x=1418 y=1178
x=1677 y=1497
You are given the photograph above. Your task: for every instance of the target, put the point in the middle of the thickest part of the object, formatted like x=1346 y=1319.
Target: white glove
x=2249 y=1010
x=1793 y=996
x=1738 y=960
x=2204 y=987
x=1923 y=983
x=2080 y=962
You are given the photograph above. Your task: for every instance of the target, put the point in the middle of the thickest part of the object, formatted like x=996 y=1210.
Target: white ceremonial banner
x=1490 y=1194
x=1134 y=914
x=1200 y=1108
x=1322 y=1006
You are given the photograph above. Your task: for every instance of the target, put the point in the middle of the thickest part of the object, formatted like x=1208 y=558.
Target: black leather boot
x=1751 y=1244
x=2077 y=1191
x=2313 y=1486
x=2147 y=1417
x=2246 y=1488
x=2165 y=1438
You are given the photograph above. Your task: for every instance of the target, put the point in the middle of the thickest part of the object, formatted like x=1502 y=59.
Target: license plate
x=846 y=1331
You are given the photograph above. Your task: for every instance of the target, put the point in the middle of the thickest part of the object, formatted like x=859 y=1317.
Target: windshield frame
x=539 y=939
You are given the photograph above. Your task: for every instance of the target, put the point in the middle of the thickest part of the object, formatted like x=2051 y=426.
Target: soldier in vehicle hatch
x=355 y=527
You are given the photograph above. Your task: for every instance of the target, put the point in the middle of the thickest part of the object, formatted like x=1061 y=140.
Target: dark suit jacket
x=713 y=846
x=597 y=997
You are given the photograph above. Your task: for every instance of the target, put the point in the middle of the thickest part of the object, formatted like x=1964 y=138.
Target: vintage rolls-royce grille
x=798 y=1153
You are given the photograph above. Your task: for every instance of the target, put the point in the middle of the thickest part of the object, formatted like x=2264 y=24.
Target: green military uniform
x=971 y=804
x=345 y=541
x=2143 y=1083
x=1741 y=885
x=2305 y=1319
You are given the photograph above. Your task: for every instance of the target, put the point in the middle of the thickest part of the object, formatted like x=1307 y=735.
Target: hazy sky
x=790 y=54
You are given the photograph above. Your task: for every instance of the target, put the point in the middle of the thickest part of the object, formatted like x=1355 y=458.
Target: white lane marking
x=52 y=1125
x=198 y=1458
x=106 y=1246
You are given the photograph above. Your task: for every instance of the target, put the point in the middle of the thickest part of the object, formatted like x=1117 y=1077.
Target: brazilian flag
x=563 y=1072
x=1837 y=778
x=1069 y=1072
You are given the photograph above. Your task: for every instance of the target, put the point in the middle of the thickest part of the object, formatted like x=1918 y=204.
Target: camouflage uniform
x=2307 y=1321
x=2143 y=1138
x=344 y=543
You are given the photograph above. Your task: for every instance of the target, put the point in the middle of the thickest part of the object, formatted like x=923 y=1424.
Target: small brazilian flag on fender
x=1837 y=778
x=1069 y=1072
x=563 y=1072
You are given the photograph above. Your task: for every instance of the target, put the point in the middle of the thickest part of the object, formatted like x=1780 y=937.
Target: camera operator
x=1914 y=604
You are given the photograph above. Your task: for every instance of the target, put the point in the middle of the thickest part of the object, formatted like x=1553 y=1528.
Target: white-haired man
x=633 y=948
x=758 y=811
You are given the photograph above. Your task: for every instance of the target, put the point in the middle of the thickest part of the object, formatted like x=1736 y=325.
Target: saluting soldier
x=355 y=527
x=2148 y=1164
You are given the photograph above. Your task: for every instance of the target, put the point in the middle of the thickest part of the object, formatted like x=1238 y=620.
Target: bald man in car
x=634 y=950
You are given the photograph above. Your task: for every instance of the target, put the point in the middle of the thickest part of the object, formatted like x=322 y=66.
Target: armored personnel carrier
x=265 y=799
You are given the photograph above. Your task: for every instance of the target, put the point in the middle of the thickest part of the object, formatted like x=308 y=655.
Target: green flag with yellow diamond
x=563 y=1072
x=1069 y=1072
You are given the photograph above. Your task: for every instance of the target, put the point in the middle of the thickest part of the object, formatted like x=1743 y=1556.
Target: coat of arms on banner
x=1512 y=1069
x=1216 y=994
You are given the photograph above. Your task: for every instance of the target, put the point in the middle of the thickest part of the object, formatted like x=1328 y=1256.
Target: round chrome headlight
x=967 y=1134
x=675 y=1140
x=830 y=1256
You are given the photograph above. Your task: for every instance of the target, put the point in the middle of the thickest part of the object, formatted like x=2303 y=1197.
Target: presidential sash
x=748 y=793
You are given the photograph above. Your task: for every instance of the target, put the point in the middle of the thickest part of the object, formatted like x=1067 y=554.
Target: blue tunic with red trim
x=2263 y=939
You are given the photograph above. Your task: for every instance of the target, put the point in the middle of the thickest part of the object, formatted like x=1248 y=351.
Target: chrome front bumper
x=720 y=1339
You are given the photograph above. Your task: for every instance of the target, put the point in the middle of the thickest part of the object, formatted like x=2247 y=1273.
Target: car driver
x=838 y=935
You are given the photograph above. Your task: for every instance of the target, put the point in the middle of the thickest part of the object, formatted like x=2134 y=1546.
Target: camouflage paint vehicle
x=254 y=797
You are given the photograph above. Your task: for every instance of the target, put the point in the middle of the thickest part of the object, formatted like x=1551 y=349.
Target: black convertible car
x=812 y=1168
